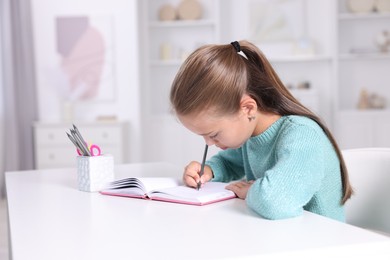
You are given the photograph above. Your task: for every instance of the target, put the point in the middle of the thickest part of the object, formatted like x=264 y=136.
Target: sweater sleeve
x=295 y=177
x=227 y=165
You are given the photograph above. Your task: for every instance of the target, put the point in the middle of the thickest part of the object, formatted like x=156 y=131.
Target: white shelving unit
x=168 y=43
x=361 y=65
x=165 y=45
x=336 y=75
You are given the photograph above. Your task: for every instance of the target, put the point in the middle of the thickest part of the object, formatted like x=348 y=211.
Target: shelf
x=299 y=58
x=366 y=112
x=364 y=56
x=363 y=16
x=178 y=24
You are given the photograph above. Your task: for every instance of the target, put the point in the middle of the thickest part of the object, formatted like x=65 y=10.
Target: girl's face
x=230 y=131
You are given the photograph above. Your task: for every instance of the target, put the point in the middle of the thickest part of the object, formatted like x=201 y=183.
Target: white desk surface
x=51 y=219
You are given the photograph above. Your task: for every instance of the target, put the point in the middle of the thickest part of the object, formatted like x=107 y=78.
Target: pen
x=202 y=167
x=81 y=141
x=77 y=141
x=73 y=141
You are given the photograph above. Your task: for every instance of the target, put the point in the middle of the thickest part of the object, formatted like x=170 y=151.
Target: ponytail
x=284 y=103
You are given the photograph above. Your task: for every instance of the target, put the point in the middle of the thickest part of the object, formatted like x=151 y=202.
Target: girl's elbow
x=274 y=211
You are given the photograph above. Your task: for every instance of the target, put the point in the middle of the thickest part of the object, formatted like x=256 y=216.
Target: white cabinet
x=53 y=149
x=362 y=67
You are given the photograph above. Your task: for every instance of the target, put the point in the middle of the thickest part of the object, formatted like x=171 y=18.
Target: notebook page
x=211 y=191
x=150 y=184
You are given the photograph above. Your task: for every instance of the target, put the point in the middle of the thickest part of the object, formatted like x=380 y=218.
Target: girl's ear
x=248 y=105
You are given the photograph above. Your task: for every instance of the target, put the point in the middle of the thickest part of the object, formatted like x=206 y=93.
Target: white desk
x=51 y=219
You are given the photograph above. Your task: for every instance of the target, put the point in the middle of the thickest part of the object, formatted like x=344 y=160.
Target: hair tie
x=236 y=46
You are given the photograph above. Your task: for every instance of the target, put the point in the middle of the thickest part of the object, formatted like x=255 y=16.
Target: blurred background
x=107 y=67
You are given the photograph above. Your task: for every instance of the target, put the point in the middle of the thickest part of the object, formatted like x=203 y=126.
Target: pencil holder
x=93 y=172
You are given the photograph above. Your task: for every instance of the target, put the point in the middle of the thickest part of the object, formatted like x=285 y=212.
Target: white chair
x=369 y=173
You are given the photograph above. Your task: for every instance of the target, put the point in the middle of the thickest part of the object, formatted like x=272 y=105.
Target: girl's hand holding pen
x=191 y=174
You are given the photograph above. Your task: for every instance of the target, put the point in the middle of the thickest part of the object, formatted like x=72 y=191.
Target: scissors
x=93 y=149
x=82 y=147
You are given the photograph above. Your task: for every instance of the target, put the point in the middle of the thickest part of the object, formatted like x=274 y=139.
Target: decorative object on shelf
x=166 y=51
x=106 y=118
x=303 y=85
x=382 y=6
x=361 y=6
x=189 y=10
x=377 y=101
x=303 y=46
x=364 y=101
x=370 y=101
x=167 y=12
x=289 y=85
x=383 y=41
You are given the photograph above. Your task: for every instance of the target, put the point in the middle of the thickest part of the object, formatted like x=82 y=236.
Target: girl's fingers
x=189 y=180
x=191 y=176
x=240 y=188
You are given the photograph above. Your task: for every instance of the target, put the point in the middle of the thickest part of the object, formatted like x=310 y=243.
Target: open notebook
x=169 y=190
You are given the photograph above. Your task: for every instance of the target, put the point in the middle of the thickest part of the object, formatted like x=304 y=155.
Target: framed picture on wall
x=85 y=58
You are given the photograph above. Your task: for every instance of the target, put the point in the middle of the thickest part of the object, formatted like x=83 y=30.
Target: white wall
x=126 y=105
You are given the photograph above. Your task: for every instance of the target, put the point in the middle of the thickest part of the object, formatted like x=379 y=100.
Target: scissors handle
x=95 y=150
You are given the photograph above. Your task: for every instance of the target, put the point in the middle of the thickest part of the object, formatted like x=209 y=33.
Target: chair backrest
x=369 y=173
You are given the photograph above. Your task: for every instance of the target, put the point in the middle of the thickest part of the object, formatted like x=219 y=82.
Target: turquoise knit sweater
x=295 y=167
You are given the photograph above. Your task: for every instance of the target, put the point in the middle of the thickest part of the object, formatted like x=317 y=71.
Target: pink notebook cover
x=193 y=203
x=157 y=198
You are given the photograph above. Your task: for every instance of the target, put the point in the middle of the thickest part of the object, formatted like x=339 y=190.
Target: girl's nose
x=209 y=141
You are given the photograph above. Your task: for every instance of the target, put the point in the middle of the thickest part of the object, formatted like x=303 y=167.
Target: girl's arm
x=227 y=165
x=296 y=176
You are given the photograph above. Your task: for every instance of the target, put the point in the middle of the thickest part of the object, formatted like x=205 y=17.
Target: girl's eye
x=213 y=136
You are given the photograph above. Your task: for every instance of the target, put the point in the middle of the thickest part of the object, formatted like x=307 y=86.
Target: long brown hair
x=216 y=76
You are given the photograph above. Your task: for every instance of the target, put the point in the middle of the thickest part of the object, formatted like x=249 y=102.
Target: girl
x=230 y=95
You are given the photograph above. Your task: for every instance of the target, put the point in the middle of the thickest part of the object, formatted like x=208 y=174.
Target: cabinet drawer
x=102 y=135
x=98 y=135
x=58 y=157
x=51 y=136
